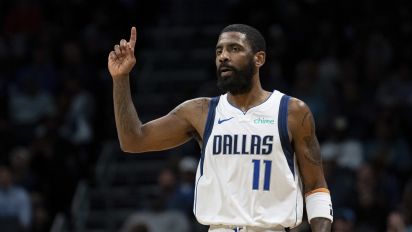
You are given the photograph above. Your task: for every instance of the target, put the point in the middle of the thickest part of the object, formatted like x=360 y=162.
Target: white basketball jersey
x=247 y=175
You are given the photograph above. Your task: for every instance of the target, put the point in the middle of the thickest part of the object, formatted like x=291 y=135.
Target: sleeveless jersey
x=247 y=174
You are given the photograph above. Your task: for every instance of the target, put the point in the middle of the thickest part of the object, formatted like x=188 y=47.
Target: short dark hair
x=254 y=37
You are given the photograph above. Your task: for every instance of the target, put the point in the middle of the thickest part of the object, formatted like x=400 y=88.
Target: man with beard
x=258 y=147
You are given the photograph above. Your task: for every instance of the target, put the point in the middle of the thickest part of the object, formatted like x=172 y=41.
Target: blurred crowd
x=171 y=204
x=350 y=61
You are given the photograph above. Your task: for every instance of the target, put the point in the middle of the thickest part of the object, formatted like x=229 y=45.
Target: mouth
x=225 y=71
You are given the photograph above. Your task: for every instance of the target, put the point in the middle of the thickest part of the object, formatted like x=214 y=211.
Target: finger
x=132 y=40
x=112 y=55
x=123 y=46
x=123 y=42
x=117 y=50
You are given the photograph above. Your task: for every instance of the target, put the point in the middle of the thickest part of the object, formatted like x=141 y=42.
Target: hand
x=122 y=60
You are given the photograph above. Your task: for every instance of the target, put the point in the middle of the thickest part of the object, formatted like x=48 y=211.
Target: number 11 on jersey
x=256 y=174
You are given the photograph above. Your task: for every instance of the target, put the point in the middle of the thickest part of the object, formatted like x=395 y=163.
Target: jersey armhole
x=208 y=128
x=283 y=132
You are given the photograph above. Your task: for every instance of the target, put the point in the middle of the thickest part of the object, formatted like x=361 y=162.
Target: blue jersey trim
x=208 y=128
x=206 y=134
x=283 y=132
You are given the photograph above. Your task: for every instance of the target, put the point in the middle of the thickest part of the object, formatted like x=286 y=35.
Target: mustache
x=226 y=66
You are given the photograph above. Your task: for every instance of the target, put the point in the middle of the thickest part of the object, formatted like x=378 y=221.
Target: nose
x=223 y=57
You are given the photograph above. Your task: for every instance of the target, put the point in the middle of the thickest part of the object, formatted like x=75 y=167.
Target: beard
x=240 y=80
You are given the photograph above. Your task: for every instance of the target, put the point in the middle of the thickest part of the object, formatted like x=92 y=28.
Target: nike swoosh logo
x=220 y=121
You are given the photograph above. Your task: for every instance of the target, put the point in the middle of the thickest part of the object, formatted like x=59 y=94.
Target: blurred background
x=60 y=164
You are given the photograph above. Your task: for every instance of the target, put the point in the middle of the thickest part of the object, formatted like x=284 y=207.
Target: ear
x=260 y=58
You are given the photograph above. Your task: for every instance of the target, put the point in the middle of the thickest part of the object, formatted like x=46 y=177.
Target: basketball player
x=260 y=155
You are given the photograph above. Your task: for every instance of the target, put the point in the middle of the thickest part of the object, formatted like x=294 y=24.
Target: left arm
x=301 y=127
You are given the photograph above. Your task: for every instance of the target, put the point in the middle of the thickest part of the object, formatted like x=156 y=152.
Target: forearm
x=127 y=120
x=321 y=224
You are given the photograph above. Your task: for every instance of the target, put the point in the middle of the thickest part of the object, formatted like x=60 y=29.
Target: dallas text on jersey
x=242 y=145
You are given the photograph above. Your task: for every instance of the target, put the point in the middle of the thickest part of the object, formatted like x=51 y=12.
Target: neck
x=254 y=97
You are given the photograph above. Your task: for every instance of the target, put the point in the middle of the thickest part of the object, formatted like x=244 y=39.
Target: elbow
x=125 y=148
x=131 y=147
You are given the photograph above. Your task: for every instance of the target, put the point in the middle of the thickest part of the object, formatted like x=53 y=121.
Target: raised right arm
x=166 y=132
x=163 y=133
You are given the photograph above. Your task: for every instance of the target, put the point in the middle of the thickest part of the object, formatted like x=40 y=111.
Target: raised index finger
x=133 y=36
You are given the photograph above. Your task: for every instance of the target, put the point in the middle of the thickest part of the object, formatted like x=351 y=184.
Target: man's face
x=235 y=63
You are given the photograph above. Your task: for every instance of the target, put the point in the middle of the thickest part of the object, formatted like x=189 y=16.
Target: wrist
x=121 y=77
x=319 y=204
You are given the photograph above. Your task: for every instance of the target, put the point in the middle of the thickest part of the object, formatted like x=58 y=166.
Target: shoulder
x=299 y=115
x=194 y=104
x=297 y=107
x=197 y=102
x=194 y=112
x=192 y=107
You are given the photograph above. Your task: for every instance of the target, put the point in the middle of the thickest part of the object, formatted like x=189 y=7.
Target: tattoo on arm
x=175 y=111
x=197 y=102
x=127 y=120
x=312 y=144
x=202 y=104
x=198 y=106
x=313 y=156
x=304 y=117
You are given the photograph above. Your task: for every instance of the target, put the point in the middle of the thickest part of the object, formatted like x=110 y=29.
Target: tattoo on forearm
x=126 y=116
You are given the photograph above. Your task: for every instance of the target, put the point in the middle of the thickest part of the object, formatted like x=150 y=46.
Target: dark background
x=350 y=61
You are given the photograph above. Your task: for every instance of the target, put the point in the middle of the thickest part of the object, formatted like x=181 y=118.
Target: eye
x=218 y=52
x=235 y=48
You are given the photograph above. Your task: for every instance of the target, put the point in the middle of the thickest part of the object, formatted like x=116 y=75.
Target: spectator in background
x=53 y=162
x=158 y=218
x=77 y=125
x=407 y=205
x=166 y=184
x=161 y=215
x=184 y=194
x=20 y=158
x=41 y=70
x=395 y=222
x=388 y=147
x=342 y=155
x=14 y=200
x=28 y=104
x=369 y=205
x=24 y=19
x=74 y=66
x=310 y=89
x=185 y=191
x=395 y=90
x=346 y=150
x=41 y=215
x=344 y=220
x=77 y=108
